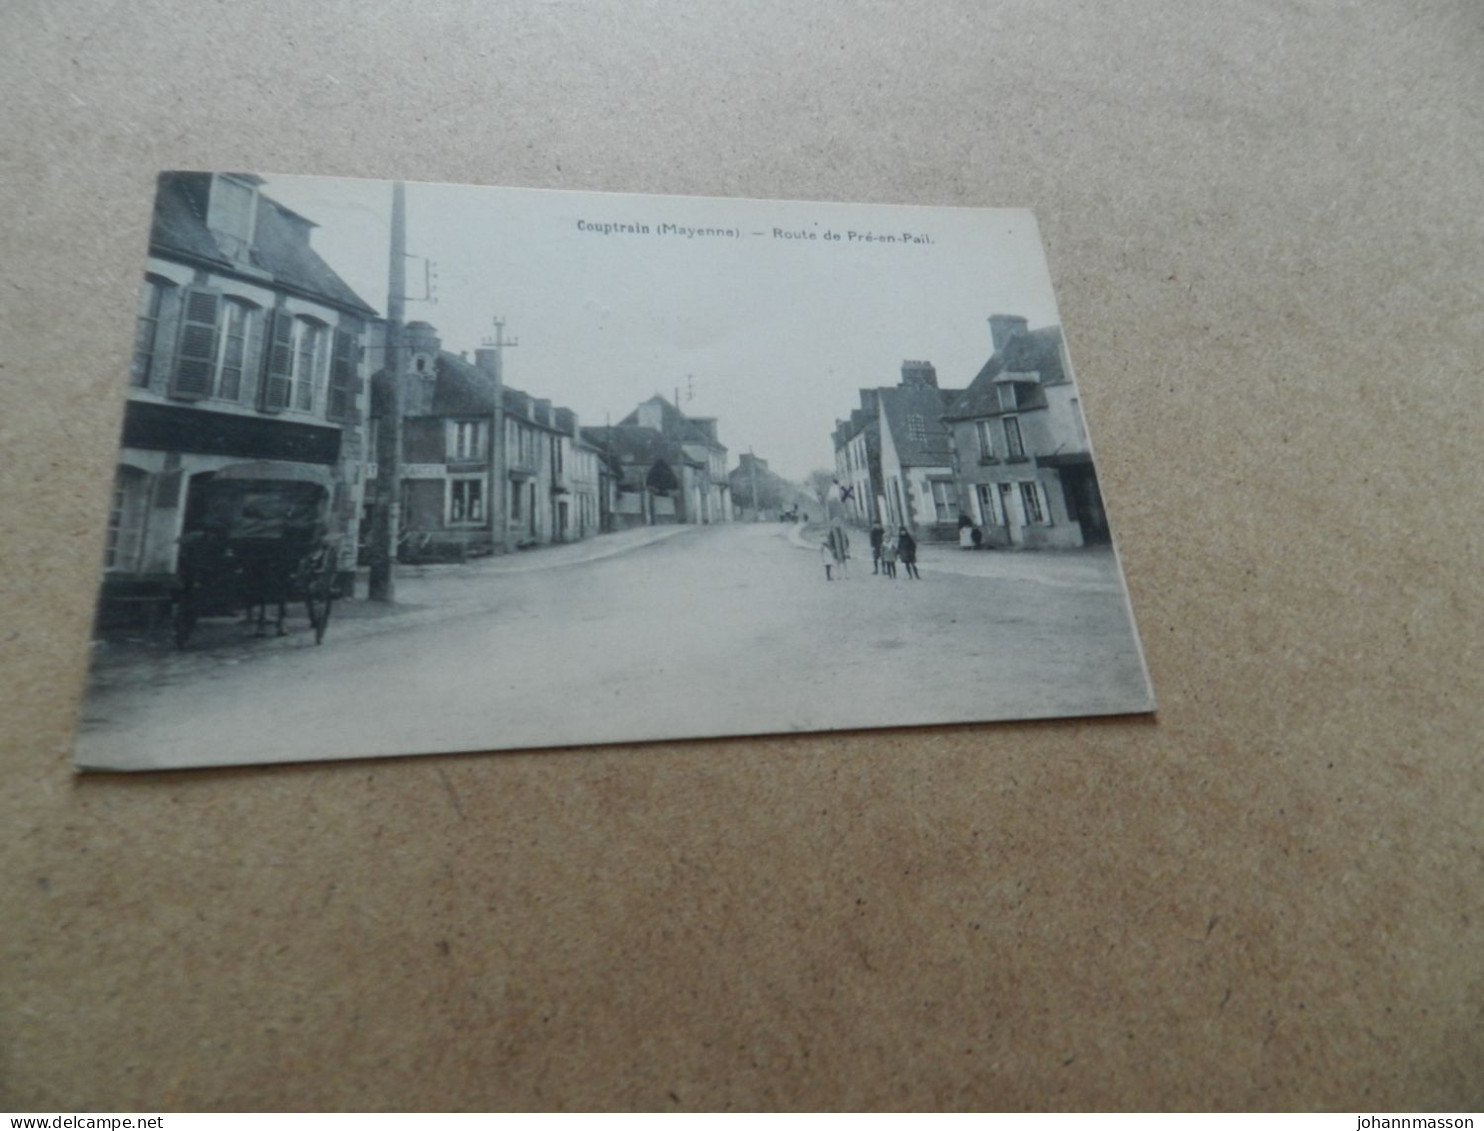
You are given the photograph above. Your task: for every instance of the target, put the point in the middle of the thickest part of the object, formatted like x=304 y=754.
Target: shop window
x=466 y=501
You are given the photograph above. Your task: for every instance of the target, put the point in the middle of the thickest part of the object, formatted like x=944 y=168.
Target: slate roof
x=461 y=389
x=1034 y=356
x=927 y=445
x=675 y=424
x=634 y=445
x=280 y=242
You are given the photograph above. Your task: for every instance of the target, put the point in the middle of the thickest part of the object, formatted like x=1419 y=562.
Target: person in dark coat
x=878 y=536
x=907 y=551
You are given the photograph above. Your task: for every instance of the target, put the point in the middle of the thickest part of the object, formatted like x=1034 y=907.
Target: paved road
x=718 y=630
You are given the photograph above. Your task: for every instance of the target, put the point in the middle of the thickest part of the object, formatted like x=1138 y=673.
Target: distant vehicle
x=789 y=514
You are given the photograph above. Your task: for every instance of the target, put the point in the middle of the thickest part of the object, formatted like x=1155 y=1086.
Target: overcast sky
x=775 y=336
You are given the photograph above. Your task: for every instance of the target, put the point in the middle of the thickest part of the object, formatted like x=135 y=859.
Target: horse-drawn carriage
x=257 y=536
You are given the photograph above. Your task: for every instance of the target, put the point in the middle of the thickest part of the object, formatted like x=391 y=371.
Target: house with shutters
x=247 y=347
x=1021 y=459
x=477 y=482
x=552 y=473
x=857 y=441
x=918 y=490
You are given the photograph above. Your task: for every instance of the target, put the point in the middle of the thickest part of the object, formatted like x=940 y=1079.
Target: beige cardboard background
x=1265 y=224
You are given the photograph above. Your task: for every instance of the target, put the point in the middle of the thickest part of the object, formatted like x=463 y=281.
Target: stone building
x=1022 y=464
x=651 y=477
x=917 y=484
x=668 y=467
x=248 y=348
x=705 y=493
x=858 y=460
x=451 y=504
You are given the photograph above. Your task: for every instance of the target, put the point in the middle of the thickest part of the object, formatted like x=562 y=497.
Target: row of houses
x=250 y=352
x=486 y=467
x=1007 y=454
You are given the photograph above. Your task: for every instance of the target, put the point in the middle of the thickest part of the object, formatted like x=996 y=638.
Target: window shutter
x=195 y=363
x=342 y=376
x=278 y=363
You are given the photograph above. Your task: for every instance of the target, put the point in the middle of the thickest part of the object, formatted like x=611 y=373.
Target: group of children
x=834 y=551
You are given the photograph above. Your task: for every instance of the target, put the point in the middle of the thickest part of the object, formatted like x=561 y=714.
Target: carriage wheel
x=184 y=621
x=319 y=602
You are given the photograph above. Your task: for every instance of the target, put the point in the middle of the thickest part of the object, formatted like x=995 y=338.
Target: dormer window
x=1007 y=398
x=232 y=214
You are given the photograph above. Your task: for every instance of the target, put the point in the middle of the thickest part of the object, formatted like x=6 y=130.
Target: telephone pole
x=757 y=510
x=388 y=517
x=498 y=509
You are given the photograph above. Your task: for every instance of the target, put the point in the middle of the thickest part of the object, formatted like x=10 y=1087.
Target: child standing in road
x=889 y=558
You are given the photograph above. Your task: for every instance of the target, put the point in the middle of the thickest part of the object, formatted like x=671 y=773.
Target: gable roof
x=915 y=417
x=674 y=424
x=633 y=444
x=1034 y=356
x=280 y=245
x=461 y=389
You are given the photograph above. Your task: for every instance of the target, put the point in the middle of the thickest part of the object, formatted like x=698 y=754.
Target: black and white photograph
x=412 y=468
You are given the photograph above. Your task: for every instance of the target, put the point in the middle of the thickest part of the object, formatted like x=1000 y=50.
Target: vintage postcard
x=416 y=468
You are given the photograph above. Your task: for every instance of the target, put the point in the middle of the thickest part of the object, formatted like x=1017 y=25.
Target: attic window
x=1007 y=398
x=916 y=428
x=233 y=208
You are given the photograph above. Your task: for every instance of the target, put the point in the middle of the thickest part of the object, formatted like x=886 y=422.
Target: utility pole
x=383 y=586
x=757 y=510
x=498 y=510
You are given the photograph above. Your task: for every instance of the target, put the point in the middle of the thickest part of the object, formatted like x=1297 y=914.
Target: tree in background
x=822 y=487
x=769 y=491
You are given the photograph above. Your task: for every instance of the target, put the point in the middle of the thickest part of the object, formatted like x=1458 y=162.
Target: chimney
x=919 y=375
x=420 y=337
x=652 y=415
x=543 y=411
x=1003 y=327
